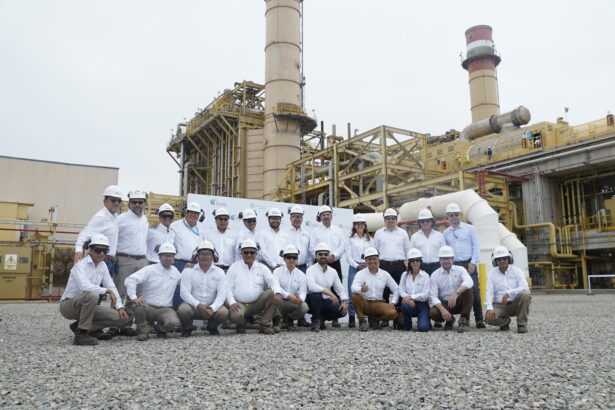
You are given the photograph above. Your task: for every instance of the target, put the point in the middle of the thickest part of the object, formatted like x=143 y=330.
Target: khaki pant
x=263 y=306
x=293 y=310
x=519 y=307
x=92 y=316
x=374 y=309
x=125 y=267
x=462 y=307
x=146 y=315
x=187 y=313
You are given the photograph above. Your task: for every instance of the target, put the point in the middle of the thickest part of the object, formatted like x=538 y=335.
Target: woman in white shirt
x=414 y=288
x=355 y=247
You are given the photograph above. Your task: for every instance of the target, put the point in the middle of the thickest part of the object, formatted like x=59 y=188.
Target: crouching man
x=252 y=290
x=321 y=280
x=294 y=288
x=451 y=292
x=508 y=293
x=155 y=306
x=368 y=293
x=203 y=290
x=83 y=290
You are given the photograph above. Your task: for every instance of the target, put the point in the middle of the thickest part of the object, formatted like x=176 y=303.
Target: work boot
x=82 y=338
x=142 y=337
x=336 y=324
x=464 y=325
x=351 y=323
x=363 y=326
x=276 y=324
x=267 y=330
x=315 y=326
x=159 y=333
x=322 y=326
x=290 y=326
x=521 y=329
x=373 y=323
x=437 y=325
x=505 y=328
x=303 y=323
x=128 y=331
x=384 y=324
x=113 y=331
x=449 y=325
x=229 y=325
x=186 y=332
x=213 y=330
x=240 y=330
x=74 y=327
x=100 y=335
x=480 y=324
x=285 y=323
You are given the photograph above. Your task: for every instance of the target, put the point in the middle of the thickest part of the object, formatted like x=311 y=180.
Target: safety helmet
x=248 y=213
x=425 y=214
x=358 y=218
x=371 y=251
x=390 y=212
x=99 y=239
x=113 y=191
x=322 y=246
x=194 y=207
x=220 y=212
x=453 y=208
x=249 y=243
x=500 y=252
x=446 y=252
x=165 y=208
x=274 y=212
x=137 y=193
x=289 y=249
x=206 y=245
x=295 y=209
x=414 y=254
x=166 y=247
x=323 y=209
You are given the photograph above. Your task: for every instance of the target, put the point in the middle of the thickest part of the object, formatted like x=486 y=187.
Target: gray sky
x=103 y=83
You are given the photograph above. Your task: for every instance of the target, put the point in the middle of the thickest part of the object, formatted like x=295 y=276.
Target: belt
x=391 y=262
x=302 y=266
x=137 y=257
x=223 y=267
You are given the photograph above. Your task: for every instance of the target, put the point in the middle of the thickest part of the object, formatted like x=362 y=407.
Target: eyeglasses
x=115 y=200
x=250 y=221
x=166 y=216
x=291 y=257
x=322 y=254
x=137 y=202
x=100 y=250
x=248 y=252
x=296 y=217
x=222 y=219
x=504 y=258
x=425 y=221
x=455 y=214
x=390 y=218
x=414 y=260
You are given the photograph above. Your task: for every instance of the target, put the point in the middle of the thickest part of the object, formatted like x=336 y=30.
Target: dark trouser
x=478 y=308
x=321 y=308
x=180 y=264
x=430 y=267
x=420 y=311
x=302 y=268
x=395 y=269
x=112 y=267
x=463 y=306
x=338 y=268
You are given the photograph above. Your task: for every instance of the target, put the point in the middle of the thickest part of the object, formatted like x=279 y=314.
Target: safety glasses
x=115 y=200
x=137 y=202
x=221 y=219
x=248 y=252
x=166 y=216
x=291 y=257
x=414 y=260
x=322 y=254
x=100 y=250
x=454 y=214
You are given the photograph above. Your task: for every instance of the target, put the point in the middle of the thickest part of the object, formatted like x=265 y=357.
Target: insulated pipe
x=519 y=116
x=516 y=247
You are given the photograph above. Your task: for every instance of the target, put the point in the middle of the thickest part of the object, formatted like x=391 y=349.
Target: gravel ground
x=566 y=360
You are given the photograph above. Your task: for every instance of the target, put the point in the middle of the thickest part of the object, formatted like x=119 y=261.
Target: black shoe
x=128 y=331
x=100 y=335
x=480 y=324
x=186 y=332
x=213 y=330
x=351 y=323
x=322 y=325
x=303 y=323
x=84 y=339
x=113 y=331
x=73 y=327
x=504 y=328
x=437 y=325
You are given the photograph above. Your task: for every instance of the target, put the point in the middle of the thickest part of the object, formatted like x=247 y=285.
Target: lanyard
x=194 y=230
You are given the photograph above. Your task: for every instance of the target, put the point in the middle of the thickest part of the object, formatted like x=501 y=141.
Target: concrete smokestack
x=481 y=61
x=282 y=90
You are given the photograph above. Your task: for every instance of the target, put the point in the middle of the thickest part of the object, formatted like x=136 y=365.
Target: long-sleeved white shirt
x=333 y=236
x=204 y=287
x=292 y=283
x=301 y=239
x=375 y=285
x=132 y=233
x=158 y=284
x=444 y=283
x=224 y=242
x=243 y=234
x=512 y=282
x=87 y=277
x=157 y=236
x=102 y=222
x=245 y=284
x=186 y=239
x=428 y=245
x=417 y=288
x=319 y=280
x=271 y=244
x=355 y=247
x=392 y=245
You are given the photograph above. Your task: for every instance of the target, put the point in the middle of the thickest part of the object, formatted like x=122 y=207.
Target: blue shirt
x=464 y=242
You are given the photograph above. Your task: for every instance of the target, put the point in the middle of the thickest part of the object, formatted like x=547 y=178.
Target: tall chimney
x=282 y=90
x=481 y=61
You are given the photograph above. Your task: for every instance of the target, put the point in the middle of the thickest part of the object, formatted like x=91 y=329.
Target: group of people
x=162 y=276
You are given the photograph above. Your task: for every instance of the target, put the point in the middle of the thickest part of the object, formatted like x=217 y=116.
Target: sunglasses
x=455 y=214
x=100 y=250
x=504 y=258
x=296 y=217
x=250 y=221
x=115 y=200
x=414 y=260
x=322 y=254
x=137 y=202
x=166 y=216
x=248 y=252
x=425 y=221
x=222 y=219
x=390 y=218
x=291 y=257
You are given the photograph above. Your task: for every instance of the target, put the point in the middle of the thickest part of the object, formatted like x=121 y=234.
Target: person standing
x=272 y=240
x=248 y=231
x=359 y=241
x=428 y=241
x=160 y=232
x=300 y=237
x=293 y=286
x=187 y=235
x=414 y=289
x=223 y=239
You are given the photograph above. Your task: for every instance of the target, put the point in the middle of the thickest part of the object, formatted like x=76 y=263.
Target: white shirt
x=392 y=246
x=245 y=284
x=186 y=239
x=271 y=243
x=204 y=287
x=102 y=222
x=292 y=283
x=243 y=234
x=444 y=283
x=132 y=234
x=157 y=236
x=224 y=242
x=301 y=239
x=512 y=282
x=317 y=281
x=417 y=288
x=429 y=246
x=333 y=236
x=375 y=285
x=355 y=247
x=158 y=284
x=86 y=277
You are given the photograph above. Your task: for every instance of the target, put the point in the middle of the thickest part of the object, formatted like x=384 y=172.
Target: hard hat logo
x=446 y=252
x=166 y=247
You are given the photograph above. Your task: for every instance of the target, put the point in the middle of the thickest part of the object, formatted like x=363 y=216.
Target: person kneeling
x=414 y=288
x=368 y=293
x=203 y=290
x=155 y=306
x=294 y=288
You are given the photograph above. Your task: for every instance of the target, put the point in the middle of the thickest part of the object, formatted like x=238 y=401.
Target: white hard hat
x=206 y=245
x=165 y=208
x=247 y=214
x=371 y=251
x=446 y=252
x=137 y=193
x=323 y=209
x=390 y=212
x=249 y=243
x=425 y=214
x=194 y=207
x=453 y=208
x=273 y=212
x=500 y=252
x=290 y=249
x=99 y=239
x=295 y=209
x=358 y=218
x=166 y=247
x=414 y=254
x=221 y=212
x=322 y=246
x=113 y=191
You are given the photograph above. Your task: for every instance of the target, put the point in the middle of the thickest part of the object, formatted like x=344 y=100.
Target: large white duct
x=516 y=247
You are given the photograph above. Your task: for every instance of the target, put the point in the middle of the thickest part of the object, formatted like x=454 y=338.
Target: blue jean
x=420 y=311
x=112 y=267
x=351 y=274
